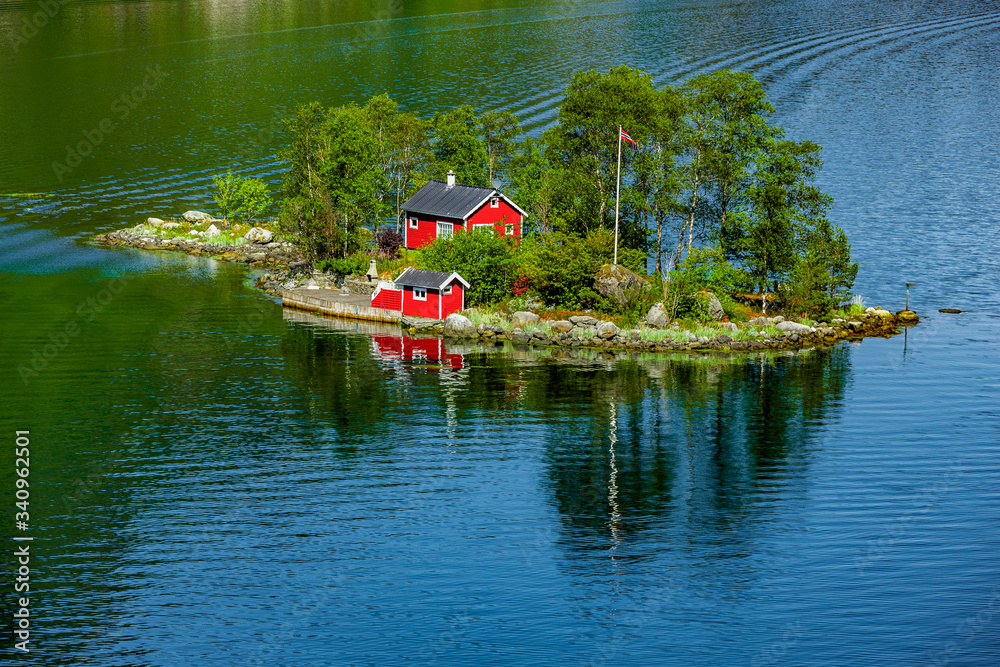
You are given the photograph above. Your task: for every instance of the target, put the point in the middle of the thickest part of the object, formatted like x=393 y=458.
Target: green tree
x=534 y=185
x=724 y=134
x=783 y=204
x=499 y=129
x=331 y=191
x=584 y=143
x=456 y=145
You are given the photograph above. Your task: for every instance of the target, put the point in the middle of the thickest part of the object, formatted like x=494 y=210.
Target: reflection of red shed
x=407 y=348
x=420 y=293
x=441 y=209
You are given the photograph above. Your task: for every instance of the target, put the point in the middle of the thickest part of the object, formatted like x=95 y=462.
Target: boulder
x=657 y=316
x=459 y=324
x=614 y=280
x=729 y=326
x=725 y=339
x=259 y=235
x=154 y=222
x=523 y=318
x=907 y=316
x=583 y=320
x=562 y=326
x=212 y=231
x=171 y=225
x=197 y=216
x=793 y=327
x=607 y=330
x=712 y=305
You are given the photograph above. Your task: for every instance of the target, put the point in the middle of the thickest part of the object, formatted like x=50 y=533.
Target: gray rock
x=259 y=235
x=793 y=327
x=657 y=316
x=607 y=330
x=583 y=320
x=725 y=338
x=563 y=326
x=613 y=280
x=459 y=324
x=171 y=225
x=711 y=302
x=523 y=318
x=212 y=231
x=729 y=326
x=154 y=222
x=197 y=216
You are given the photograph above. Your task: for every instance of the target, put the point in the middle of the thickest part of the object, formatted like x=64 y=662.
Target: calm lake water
x=214 y=482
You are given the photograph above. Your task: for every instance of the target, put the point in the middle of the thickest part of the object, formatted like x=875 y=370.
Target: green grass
x=230 y=237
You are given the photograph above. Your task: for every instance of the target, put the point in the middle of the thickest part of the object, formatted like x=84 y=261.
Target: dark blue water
x=215 y=482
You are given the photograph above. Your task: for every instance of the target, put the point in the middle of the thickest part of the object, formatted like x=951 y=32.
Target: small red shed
x=441 y=208
x=420 y=293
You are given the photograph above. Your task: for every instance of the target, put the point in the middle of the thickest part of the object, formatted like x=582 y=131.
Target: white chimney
x=451 y=178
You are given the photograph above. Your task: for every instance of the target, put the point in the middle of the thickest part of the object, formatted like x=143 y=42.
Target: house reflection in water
x=408 y=348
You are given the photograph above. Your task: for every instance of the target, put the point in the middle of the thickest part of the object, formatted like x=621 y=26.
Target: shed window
x=419 y=294
x=446 y=291
x=414 y=223
x=445 y=229
x=508 y=228
x=485 y=227
x=495 y=202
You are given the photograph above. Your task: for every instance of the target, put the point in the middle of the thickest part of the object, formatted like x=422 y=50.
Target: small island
x=673 y=218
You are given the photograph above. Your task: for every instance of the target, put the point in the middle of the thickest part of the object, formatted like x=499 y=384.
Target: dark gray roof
x=458 y=201
x=422 y=278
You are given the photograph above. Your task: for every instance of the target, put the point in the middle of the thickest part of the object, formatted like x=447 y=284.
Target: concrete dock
x=337 y=303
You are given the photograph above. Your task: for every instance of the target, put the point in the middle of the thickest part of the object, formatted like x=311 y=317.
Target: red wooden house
x=420 y=293
x=442 y=208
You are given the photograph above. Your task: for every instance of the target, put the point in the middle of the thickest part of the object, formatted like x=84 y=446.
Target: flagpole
x=618 y=188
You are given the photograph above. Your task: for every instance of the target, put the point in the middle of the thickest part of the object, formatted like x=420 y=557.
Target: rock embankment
x=257 y=248
x=587 y=331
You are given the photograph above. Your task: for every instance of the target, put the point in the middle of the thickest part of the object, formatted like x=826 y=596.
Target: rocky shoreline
x=259 y=249
x=588 y=331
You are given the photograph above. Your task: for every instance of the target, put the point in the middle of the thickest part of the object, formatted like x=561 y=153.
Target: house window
x=413 y=223
x=495 y=202
x=419 y=294
x=446 y=291
x=445 y=229
x=485 y=227
x=508 y=229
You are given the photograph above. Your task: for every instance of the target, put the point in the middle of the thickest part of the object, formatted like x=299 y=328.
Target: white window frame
x=495 y=202
x=448 y=227
x=414 y=223
x=446 y=291
x=508 y=229
x=420 y=294
x=484 y=227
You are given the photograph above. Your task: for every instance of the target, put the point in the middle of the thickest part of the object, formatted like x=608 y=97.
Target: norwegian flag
x=624 y=135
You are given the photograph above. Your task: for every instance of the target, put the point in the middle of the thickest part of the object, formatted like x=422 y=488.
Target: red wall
x=495 y=216
x=389 y=299
x=452 y=303
x=426 y=230
x=415 y=308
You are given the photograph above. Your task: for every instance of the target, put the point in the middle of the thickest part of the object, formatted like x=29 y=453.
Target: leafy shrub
x=488 y=262
x=560 y=267
x=352 y=265
x=241 y=197
x=389 y=242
